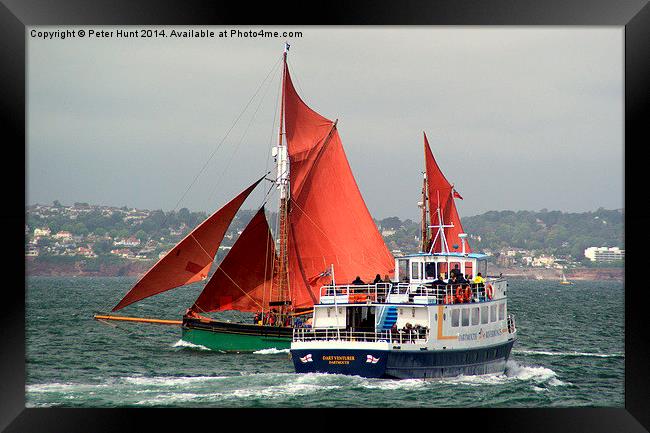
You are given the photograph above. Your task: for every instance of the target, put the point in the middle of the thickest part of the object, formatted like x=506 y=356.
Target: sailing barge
x=322 y=220
x=421 y=324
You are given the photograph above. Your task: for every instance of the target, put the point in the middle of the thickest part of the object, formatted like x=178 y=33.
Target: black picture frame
x=15 y=15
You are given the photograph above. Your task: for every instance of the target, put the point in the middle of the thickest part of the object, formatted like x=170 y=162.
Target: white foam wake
x=169 y=380
x=549 y=353
x=183 y=343
x=531 y=373
x=514 y=371
x=271 y=351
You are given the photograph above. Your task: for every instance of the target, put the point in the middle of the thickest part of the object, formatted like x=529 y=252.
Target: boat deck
x=404 y=293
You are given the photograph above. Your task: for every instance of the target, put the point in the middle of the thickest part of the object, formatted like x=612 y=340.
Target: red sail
x=328 y=219
x=441 y=195
x=190 y=260
x=241 y=280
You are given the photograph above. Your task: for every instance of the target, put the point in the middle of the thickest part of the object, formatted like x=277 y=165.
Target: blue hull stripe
x=403 y=364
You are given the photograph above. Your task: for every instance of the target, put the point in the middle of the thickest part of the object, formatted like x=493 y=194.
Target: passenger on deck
x=386 y=279
x=358 y=282
x=297 y=323
x=256 y=319
x=377 y=279
x=478 y=279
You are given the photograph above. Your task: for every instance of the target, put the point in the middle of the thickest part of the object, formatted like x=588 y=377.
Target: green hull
x=229 y=341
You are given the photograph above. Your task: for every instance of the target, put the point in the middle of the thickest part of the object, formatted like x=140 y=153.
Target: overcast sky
x=518 y=118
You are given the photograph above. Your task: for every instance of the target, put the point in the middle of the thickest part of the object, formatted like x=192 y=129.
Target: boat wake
x=173 y=381
x=187 y=345
x=587 y=354
x=271 y=351
x=514 y=372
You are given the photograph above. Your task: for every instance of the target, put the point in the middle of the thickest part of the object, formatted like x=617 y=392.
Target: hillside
x=101 y=240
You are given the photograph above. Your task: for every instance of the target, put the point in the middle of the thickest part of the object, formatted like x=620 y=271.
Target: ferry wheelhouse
x=432 y=319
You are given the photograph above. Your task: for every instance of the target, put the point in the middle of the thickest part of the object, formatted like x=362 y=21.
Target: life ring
x=460 y=295
x=488 y=291
x=449 y=299
x=468 y=294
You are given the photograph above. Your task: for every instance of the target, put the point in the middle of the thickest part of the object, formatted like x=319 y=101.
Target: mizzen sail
x=329 y=222
x=442 y=208
x=242 y=280
x=190 y=260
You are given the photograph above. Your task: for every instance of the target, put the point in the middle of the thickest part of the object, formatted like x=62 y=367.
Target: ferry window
x=403 y=269
x=468 y=270
x=415 y=270
x=502 y=311
x=412 y=312
x=482 y=267
x=465 y=317
x=475 y=316
x=442 y=268
x=493 y=313
x=430 y=270
x=329 y=312
x=484 y=315
x=455 y=314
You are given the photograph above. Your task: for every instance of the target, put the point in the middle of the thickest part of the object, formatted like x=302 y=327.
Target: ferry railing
x=410 y=336
x=357 y=293
x=452 y=293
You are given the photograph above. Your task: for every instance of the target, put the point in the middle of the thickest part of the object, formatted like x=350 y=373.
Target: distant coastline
x=85 y=268
x=574 y=274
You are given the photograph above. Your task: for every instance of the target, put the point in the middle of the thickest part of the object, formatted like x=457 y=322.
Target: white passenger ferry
x=433 y=319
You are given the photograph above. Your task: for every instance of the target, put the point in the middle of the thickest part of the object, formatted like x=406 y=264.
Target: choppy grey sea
x=570 y=352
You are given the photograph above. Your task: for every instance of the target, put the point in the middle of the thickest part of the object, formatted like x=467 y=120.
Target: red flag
x=456 y=195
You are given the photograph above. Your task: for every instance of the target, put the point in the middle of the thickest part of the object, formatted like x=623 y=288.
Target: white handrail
x=309 y=334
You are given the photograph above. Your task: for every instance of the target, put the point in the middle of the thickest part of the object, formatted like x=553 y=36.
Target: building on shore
x=604 y=254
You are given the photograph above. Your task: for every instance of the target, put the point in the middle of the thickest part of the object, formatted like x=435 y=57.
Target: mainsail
x=329 y=223
x=442 y=208
x=241 y=282
x=190 y=260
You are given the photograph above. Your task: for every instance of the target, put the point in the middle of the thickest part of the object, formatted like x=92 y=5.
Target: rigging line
x=226 y=136
x=235 y=283
x=238 y=286
x=266 y=257
x=202 y=249
x=266 y=264
x=325 y=234
x=295 y=74
x=241 y=139
x=269 y=286
x=275 y=115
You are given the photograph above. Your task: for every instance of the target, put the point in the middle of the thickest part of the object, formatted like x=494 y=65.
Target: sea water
x=570 y=352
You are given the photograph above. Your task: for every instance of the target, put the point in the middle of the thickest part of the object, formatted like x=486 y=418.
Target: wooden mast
x=425 y=203
x=280 y=284
x=424 y=244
